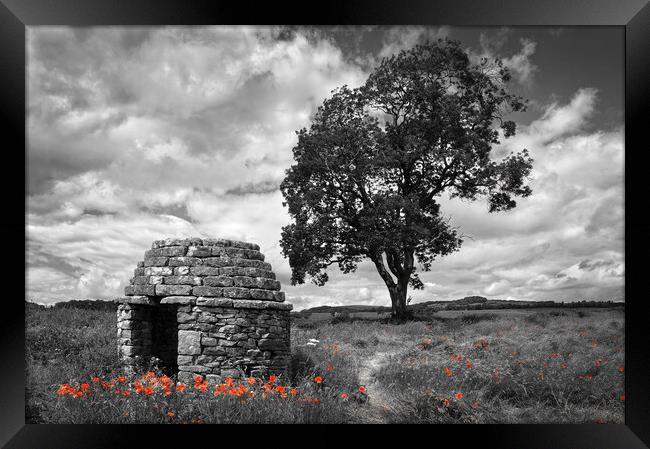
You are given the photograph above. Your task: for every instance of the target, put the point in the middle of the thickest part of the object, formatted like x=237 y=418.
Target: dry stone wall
x=205 y=307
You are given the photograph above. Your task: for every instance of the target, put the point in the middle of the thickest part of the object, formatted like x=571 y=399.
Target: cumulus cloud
x=520 y=64
x=136 y=134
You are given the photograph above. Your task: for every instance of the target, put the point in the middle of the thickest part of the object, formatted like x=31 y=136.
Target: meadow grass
x=406 y=372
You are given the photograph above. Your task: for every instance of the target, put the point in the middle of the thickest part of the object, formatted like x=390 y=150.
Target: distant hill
x=86 y=304
x=466 y=303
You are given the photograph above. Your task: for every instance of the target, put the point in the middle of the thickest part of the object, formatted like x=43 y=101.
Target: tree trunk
x=399 y=312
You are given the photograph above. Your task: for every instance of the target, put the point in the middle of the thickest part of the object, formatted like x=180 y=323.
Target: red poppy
x=344 y=396
x=318 y=379
x=459 y=395
x=622 y=397
x=621 y=369
x=180 y=387
x=272 y=378
x=445 y=402
x=294 y=391
x=251 y=380
x=362 y=389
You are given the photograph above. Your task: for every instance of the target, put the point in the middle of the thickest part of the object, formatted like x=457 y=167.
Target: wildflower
x=63 y=389
x=459 y=357
x=171 y=414
x=138 y=388
x=459 y=395
x=621 y=369
x=148 y=391
x=316 y=401
x=468 y=364
x=622 y=397
x=198 y=379
x=95 y=379
x=279 y=389
x=445 y=402
x=294 y=391
x=77 y=394
x=447 y=371
x=267 y=387
x=167 y=391
x=344 y=396
x=180 y=387
x=362 y=389
x=121 y=379
x=85 y=386
x=229 y=382
x=251 y=380
x=318 y=379
x=272 y=378
x=126 y=393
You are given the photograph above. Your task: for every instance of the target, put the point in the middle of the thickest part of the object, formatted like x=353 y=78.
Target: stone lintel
x=142 y=300
x=191 y=300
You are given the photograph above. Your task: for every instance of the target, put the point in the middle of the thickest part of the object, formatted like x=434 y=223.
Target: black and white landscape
x=443 y=207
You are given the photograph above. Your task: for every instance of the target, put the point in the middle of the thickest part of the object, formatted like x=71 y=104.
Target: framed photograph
x=376 y=213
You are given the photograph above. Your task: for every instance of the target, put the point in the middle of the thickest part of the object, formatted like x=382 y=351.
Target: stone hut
x=204 y=307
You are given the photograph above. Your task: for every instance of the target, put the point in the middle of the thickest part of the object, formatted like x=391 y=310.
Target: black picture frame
x=633 y=15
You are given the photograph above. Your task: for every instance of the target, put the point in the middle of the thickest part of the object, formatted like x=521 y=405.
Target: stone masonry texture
x=204 y=307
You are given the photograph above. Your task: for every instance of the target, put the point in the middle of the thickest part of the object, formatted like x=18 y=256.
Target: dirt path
x=378 y=401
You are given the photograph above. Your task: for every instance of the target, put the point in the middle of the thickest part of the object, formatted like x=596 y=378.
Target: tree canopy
x=371 y=168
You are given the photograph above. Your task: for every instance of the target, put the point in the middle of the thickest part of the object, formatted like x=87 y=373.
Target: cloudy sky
x=136 y=134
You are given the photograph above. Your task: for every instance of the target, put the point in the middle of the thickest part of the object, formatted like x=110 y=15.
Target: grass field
x=501 y=366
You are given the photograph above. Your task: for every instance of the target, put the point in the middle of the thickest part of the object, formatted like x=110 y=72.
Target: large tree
x=371 y=168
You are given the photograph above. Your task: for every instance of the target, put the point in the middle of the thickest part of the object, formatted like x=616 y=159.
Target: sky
x=137 y=134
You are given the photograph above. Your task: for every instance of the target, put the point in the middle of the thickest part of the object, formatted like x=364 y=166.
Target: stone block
x=207 y=341
x=135 y=299
x=244 y=281
x=189 y=342
x=182 y=280
x=214 y=302
x=158 y=271
x=278 y=296
x=173 y=290
x=236 y=292
x=279 y=306
x=155 y=261
x=194 y=368
x=178 y=300
x=185 y=261
x=267 y=284
x=184 y=360
x=199 y=251
x=154 y=280
x=153 y=252
x=264 y=295
x=204 y=271
x=217 y=261
x=249 y=304
x=182 y=271
x=207 y=291
x=138 y=272
x=173 y=251
x=140 y=280
x=218 y=281
x=146 y=290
